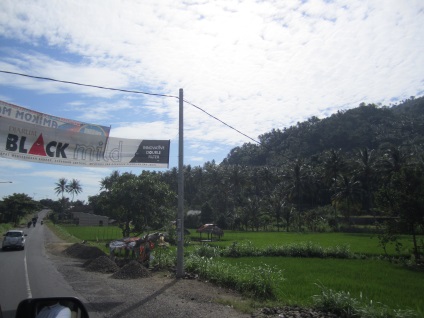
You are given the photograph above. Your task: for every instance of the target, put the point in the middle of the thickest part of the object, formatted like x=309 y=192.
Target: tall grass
x=261 y=282
x=344 y=305
x=359 y=243
x=303 y=249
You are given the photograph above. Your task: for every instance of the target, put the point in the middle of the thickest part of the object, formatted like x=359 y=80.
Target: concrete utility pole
x=180 y=217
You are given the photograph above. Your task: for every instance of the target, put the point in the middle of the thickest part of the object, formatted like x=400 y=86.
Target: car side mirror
x=65 y=306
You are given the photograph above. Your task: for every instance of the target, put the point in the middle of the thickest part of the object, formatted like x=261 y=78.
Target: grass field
x=376 y=280
x=380 y=281
x=359 y=243
x=94 y=233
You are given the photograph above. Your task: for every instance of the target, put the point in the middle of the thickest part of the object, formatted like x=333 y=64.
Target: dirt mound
x=101 y=264
x=83 y=251
x=132 y=270
x=121 y=262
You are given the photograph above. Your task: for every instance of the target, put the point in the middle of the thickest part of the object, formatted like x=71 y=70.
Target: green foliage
x=302 y=249
x=358 y=243
x=381 y=281
x=301 y=175
x=16 y=206
x=143 y=201
x=94 y=233
x=163 y=258
x=208 y=251
x=402 y=197
x=261 y=282
x=344 y=305
x=384 y=282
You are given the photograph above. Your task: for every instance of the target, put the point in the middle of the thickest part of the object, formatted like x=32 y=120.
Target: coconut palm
x=365 y=172
x=348 y=191
x=74 y=188
x=60 y=188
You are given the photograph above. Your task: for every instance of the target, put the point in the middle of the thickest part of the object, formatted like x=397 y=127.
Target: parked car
x=14 y=239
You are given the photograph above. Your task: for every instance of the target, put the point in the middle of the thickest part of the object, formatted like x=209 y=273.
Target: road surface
x=30 y=273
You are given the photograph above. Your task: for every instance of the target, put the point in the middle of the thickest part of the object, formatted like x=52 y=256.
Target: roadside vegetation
x=319 y=270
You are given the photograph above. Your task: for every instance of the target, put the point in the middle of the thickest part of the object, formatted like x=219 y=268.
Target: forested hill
x=367 y=126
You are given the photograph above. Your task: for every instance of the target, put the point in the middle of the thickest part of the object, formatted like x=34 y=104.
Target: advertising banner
x=24 y=141
x=32 y=117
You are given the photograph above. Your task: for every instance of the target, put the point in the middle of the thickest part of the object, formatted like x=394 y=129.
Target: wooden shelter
x=211 y=230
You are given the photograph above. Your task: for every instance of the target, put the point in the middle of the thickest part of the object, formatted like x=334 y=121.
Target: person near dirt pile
x=145 y=252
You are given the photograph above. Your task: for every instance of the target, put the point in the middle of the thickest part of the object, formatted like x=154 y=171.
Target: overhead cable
x=132 y=92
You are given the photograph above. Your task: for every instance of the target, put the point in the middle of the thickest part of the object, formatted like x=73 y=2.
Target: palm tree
x=365 y=172
x=348 y=190
x=107 y=182
x=61 y=187
x=392 y=161
x=74 y=188
x=334 y=164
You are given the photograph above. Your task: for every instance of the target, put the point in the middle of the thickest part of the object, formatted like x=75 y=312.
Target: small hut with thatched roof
x=211 y=230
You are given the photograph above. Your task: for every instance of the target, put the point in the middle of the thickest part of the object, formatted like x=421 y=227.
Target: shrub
x=163 y=258
x=344 y=305
x=308 y=249
x=207 y=251
x=260 y=282
x=243 y=249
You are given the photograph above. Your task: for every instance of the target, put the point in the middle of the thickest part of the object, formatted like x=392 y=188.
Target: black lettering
x=12 y=142
x=49 y=152
x=60 y=150
x=22 y=145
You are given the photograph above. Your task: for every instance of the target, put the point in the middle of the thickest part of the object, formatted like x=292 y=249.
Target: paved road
x=30 y=273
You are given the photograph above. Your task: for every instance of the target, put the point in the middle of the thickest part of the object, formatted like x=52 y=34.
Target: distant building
x=90 y=219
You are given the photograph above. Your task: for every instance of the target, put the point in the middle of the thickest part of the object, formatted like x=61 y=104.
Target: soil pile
x=121 y=262
x=132 y=270
x=101 y=264
x=83 y=251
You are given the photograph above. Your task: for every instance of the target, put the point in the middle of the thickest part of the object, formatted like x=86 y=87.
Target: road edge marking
x=27 y=278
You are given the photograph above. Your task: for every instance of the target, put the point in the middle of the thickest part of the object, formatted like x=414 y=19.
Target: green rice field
x=366 y=277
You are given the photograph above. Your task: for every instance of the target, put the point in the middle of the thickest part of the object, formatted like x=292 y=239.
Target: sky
x=254 y=65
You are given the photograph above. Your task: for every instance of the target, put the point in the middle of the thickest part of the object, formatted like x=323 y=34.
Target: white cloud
x=256 y=65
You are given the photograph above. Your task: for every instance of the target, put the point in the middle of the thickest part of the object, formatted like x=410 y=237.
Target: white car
x=14 y=239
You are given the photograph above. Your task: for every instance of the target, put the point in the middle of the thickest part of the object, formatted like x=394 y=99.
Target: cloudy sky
x=255 y=65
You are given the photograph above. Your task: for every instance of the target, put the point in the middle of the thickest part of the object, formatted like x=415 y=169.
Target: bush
x=307 y=249
x=259 y=282
x=344 y=305
x=163 y=258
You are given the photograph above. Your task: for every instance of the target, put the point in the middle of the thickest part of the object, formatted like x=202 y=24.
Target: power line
x=88 y=85
x=231 y=127
x=132 y=92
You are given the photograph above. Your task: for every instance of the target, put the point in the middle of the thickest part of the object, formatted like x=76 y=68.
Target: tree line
x=295 y=180
x=313 y=176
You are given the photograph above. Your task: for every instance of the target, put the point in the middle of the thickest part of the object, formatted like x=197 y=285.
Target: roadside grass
x=94 y=233
x=62 y=232
x=4 y=227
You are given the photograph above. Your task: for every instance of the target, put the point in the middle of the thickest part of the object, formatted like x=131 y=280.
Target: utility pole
x=180 y=216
